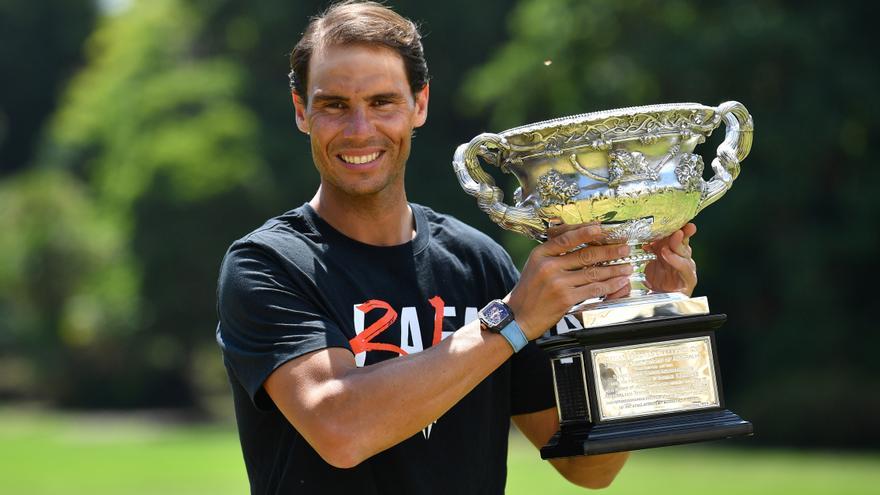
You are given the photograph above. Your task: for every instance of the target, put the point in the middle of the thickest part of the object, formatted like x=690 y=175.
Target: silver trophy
x=642 y=371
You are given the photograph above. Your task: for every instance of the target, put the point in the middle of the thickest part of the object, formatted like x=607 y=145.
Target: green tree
x=151 y=145
x=66 y=280
x=40 y=47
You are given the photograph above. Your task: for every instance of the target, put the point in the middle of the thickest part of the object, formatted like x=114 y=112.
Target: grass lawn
x=46 y=453
x=710 y=469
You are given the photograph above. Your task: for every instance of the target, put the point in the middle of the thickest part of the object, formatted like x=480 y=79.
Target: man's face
x=360 y=116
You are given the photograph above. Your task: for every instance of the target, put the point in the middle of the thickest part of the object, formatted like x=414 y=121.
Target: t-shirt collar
x=330 y=234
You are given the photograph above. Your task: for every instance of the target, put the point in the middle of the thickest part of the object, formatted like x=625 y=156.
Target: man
x=350 y=326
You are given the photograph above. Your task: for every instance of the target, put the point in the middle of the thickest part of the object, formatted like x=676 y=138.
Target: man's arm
x=594 y=471
x=348 y=414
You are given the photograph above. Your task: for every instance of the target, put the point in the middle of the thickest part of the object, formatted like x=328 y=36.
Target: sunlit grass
x=711 y=469
x=52 y=454
x=48 y=453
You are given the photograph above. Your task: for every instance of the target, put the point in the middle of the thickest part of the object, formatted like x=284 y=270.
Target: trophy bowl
x=633 y=170
x=639 y=371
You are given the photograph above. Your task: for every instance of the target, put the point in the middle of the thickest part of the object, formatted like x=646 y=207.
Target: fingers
x=689 y=230
x=678 y=241
x=556 y=229
x=570 y=244
x=593 y=273
x=596 y=280
x=568 y=239
x=675 y=238
x=599 y=289
x=622 y=292
x=591 y=255
x=684 y=247
x=684 y=265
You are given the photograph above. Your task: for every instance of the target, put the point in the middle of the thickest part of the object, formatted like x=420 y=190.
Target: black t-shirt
x=296 y=285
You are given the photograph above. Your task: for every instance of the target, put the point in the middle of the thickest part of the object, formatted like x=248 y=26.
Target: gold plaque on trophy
x=648 y=379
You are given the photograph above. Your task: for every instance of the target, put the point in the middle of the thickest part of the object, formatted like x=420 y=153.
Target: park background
x=138 y=139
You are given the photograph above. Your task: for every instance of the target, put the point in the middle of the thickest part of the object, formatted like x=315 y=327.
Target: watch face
x=494 y=314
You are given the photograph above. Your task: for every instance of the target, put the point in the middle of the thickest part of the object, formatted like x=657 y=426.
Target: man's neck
x=378 y=221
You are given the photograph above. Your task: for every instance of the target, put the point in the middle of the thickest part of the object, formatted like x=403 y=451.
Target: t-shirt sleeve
x=531 y=381
x=266 y=318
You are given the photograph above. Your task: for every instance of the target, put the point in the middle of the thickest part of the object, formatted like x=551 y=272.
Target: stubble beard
x=374 y=190
x=368 y=190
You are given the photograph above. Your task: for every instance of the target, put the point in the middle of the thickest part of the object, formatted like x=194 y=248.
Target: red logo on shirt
x=363 y=341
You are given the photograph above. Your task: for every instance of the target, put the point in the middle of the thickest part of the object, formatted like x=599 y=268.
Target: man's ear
x=300 y=107
x=422 y=106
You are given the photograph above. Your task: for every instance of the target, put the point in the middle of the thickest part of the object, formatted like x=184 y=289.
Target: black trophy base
x=585 y=380
x=645 y=433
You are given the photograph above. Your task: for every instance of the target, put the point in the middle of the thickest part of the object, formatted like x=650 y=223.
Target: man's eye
x=336 y=105
x=381 y=103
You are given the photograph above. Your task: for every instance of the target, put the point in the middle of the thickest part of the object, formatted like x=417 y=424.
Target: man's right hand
x=562 y=272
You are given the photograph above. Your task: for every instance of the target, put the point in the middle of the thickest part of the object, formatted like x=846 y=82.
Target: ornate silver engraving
x=627 y=166
x=619 y=167
x=631 y=169
x=650 y=138
x=633 y=231
x=573 y=160
x=599 y=129
x=673 y=151
x=689 y=171
x=556 y=189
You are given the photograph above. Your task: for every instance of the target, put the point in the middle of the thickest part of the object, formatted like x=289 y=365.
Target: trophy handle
x=736 y=146
x=476 y=182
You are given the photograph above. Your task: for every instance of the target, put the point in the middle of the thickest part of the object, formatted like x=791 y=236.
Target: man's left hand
x=674 y=270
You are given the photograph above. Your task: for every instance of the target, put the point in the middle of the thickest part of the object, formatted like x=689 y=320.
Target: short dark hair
x=352 y=22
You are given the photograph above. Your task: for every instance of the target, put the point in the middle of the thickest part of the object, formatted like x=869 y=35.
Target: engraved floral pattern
x=648 y=127
x=638 y=231
x=555 y=189
x=689 y=171
x=651 y=137
x=628 y=165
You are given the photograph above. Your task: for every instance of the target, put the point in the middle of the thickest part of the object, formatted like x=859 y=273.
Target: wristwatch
x=498 y=318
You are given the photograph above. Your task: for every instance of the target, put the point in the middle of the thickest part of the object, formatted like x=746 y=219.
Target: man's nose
x=359 y=123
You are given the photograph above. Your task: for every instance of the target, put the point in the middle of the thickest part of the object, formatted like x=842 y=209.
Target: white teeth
x=357 y=160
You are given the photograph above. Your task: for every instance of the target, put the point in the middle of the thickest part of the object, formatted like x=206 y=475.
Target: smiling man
x=375 y=346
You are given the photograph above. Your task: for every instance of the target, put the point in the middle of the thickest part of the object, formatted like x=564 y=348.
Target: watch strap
x=515 y=336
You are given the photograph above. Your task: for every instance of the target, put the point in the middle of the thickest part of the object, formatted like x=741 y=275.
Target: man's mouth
x=359 y=159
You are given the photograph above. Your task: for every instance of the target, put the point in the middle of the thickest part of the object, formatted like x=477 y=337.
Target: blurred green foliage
x=176 y=136
x=148 y=104
x=40 y=47
x=66 y=279
x=149 y=126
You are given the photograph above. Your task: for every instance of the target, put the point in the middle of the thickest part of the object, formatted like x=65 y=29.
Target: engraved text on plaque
x=645 y=379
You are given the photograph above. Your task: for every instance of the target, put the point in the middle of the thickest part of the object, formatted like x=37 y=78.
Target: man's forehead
x=355 y=67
